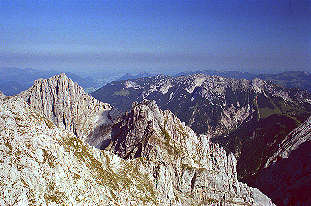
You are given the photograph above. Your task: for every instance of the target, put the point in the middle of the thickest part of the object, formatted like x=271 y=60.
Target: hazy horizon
x=156 y=36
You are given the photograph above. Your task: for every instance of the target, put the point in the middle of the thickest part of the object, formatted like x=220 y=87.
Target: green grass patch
x=128 y=177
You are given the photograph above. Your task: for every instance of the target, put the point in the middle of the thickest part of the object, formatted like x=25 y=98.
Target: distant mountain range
x=289 y=79
x=148 y=157
x=256 y=132
x=227 y=74
x=249 y=118
x=128 y=76
x=15 y=80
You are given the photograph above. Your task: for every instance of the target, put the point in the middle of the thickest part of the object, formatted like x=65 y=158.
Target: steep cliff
x=249 y=118
x=43 y=164
x=181 y=162
x=66 y=104
x=1 y=95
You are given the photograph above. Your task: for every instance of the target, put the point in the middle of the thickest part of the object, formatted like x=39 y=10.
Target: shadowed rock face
x=286 y=177
x=66 y=104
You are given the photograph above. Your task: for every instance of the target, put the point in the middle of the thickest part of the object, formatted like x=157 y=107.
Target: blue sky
x=169 y=35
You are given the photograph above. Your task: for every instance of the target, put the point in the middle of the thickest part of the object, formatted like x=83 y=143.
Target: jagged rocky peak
x=248 y=118
x=182 y=164
x=258 y=85
x=208 y=104
x=66 y=104
x=41 y=164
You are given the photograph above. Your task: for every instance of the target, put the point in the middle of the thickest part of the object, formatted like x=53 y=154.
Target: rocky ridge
x=286 y=177
x=168 y=164
x=41 y=164
x=207 y=104
x=239 y=113
x=181 y=162
x=66 y=104
x=249 y=118
x=292 y=142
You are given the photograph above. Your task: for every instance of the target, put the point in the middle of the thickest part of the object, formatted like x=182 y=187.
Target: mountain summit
x=163 y=161
x=249 y=118
x=66 y=104
x=208 y=104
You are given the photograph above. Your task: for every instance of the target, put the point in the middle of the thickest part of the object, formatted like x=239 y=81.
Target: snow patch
x=165 y=87
x=171 y=95
x=196 y=83
x=131 y=84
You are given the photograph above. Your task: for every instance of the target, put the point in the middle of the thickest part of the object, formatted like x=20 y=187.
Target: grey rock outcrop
x=249 y=118
x=292 y=142
x=183 y=164
x=66 y=104
x=43 y=164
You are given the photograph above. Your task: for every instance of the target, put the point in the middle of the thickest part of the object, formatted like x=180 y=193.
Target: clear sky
x=159 y=35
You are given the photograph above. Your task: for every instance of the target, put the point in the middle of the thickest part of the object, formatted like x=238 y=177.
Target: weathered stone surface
x=181 y=162
x=167 y=163
x=41 y=164
x=66 y=104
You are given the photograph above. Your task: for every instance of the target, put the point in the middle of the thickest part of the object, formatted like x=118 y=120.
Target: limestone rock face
x=66 y=104
x=183 y=164
x=249 y=118
x=42 y=164
x=286 y=177
x=152 y=157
